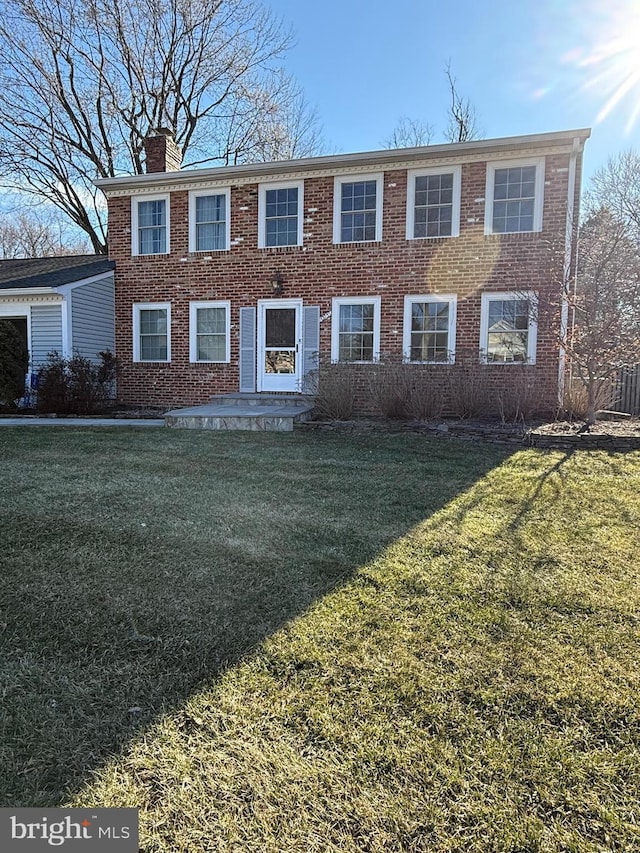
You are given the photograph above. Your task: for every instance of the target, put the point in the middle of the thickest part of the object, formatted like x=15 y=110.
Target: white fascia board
x=65 y=289
x=374 y=160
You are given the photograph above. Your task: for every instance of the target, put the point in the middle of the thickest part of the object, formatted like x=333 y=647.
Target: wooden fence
x=626 y=391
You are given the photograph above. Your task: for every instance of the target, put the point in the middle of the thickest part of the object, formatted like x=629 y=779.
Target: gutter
x=571 y=228
x=369 y=159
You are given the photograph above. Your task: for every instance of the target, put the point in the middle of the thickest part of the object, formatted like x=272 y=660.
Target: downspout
x=566 y=272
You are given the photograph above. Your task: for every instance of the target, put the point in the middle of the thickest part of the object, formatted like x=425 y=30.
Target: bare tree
x=26 y=235
x=604 y=332
x=462 y=125
x=463 y=121
x=83 y=82
x=616 y=186
x=409 y=133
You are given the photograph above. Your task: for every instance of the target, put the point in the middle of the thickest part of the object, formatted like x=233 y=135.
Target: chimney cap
x=161 y=131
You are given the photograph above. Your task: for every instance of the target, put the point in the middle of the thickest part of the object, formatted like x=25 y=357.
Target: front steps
x=255 y=412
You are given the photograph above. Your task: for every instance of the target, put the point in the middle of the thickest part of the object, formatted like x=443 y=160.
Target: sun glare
x=610 y=65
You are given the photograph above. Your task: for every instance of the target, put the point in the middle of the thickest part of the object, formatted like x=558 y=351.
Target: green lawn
x=316 y=643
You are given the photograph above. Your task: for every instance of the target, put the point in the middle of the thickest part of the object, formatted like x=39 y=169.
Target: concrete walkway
x=83 y=422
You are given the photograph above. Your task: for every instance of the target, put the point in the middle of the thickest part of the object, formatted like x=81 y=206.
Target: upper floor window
x=209 y=331
x=357 y=215
x=514 y=197
x=209 y=225
x=355 y=328
x=508 y=327
x=433 y=203
x=150 y=225
x=429 y=328
x=280 y=214
x=152 y=331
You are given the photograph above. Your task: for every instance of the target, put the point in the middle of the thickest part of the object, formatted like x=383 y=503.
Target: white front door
x=279 y=345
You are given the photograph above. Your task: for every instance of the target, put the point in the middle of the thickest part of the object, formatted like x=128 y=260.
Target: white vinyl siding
x=92 y=318
x=46 y=333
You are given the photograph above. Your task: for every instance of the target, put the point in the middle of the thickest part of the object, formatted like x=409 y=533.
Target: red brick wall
x=466 y=265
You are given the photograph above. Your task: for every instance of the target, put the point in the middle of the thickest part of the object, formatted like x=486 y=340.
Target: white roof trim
x=336 y=164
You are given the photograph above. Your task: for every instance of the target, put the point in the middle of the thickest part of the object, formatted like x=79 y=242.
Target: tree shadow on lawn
x=140 y=566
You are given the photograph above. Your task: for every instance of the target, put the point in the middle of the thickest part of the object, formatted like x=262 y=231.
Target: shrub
x=468 y=389
x=336 y=390
x=399 y=389
x=76 y=385
x=14 y=363
x=518 y=399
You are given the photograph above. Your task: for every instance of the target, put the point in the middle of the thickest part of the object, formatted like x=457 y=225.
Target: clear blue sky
x=528 y=66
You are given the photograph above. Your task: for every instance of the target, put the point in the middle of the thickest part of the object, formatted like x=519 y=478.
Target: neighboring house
x=236 y=278
x=62 y=304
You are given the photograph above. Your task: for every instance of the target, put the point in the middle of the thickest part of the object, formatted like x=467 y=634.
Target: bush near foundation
x=76 y=385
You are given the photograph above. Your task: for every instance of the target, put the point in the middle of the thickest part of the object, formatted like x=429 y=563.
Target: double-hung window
x=514 y=196
x=355 y=329
x=429 y=328
x=280 y=214
x=433 y=203
x=508 y=328
x=357 y=212
x=209 y=221
x=209 y=331
x=152 y=331
x=150 y=225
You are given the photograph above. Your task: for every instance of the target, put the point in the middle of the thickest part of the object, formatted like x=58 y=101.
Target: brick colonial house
x=236 y=278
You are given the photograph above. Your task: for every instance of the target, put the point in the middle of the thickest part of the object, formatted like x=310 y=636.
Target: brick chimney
x=161 y=152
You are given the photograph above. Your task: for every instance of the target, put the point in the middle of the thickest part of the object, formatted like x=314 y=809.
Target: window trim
x=538 y=201
x=135 y=234
x=193 y=330
x=338 y=181
x=412 y=174
x=262 y=211
x=452 y=299
x=150 y=306
x=336 y=302
x=532 y=328
x=193 y=195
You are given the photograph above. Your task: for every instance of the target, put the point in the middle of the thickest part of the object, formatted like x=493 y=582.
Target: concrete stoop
x=254 y=412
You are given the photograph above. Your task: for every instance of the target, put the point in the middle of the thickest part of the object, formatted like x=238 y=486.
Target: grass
x=323 y=643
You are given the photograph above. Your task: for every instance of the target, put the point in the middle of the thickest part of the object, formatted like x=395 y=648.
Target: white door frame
x=287 y=382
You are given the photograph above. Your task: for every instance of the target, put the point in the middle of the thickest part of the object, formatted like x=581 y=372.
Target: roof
x=388 y=158
x=51 y=272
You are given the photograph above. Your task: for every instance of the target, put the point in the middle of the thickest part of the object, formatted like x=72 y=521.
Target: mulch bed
x=606 y=435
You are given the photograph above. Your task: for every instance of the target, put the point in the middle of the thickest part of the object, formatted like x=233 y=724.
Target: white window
x=209 y=331
x=508 y=328
x=433 y=203
x=209 y=220
x=280 y=214
x=150 y=225
x=514 y=196
x=357 y=209
x=152 y=331
x=355 y=329
x=430 y=328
